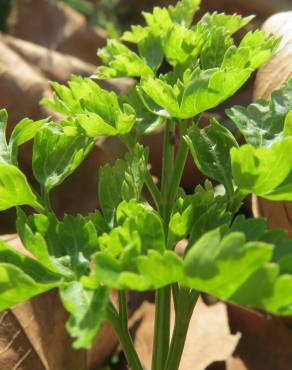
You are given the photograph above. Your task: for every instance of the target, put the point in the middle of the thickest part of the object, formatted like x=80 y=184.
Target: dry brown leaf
x=33 y=335
x=55 y=26
x=278 y=214
x=270 y=78
x=53 y=64
x=208 y=340
x=235 y=363
x=265 y=342
x=21 y=85
x=272 y=75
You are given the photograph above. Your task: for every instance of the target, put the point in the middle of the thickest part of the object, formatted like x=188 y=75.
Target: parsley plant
x=129 y=244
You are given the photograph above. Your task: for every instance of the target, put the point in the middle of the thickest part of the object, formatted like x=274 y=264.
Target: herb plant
x=130 y=242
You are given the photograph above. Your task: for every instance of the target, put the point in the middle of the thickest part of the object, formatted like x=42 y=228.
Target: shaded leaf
x=35 y=242
x=267 y=289
x=123 y=181
x=146 y=121
x=64 y=247
x=198 y=213
x=262 y=123
x=210 y=148
x=50 y=168
x=143 y=220
x=88 y=312
x=220 y=263
x=215 y=48
x=151 y=51
x=34 y=269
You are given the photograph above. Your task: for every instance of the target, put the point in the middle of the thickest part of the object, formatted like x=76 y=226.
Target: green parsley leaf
x=261 y=170
x=87 y=310
x=210 y=148
x=219 y=263
x=14 y=189
x=123 y=181
x=121 y=62
x=56 y=155
x=262 y=123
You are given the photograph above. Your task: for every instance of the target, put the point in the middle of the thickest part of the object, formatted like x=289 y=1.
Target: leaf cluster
x=130 y=243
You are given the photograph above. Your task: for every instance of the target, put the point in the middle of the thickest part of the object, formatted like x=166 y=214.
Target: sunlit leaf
x=14 y=189
x=261 y=170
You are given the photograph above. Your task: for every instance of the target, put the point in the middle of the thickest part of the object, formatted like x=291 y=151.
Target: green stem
x=162 y=328
x=153 y=189
x=45 y=195
x=123 y=334
x=178 y=165
x=186 y=303
x=162 y=298
x=123 y=311
x=167 y=165
x=175 y=295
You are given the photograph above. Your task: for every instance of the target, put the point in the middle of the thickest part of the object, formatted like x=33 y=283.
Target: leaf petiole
x=119 y=322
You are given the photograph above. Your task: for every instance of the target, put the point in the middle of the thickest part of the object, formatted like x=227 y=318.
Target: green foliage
x=260 y=170
x=84 y=306
x=24 y=131
x=21 y=277
x=92 y=108
x=121 y=62
x=199 y=91
x=52 y=167
x=220 y=263
x=64 y=247
x=123 y=181
x=196 y=214
x=131 y=242
x=262 y=123
x=210 y=148
x=146 y=120
x=231 y=23
x=14 y=189
x=5 y=155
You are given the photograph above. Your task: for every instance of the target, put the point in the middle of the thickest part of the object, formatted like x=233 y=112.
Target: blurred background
x=44 y=40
